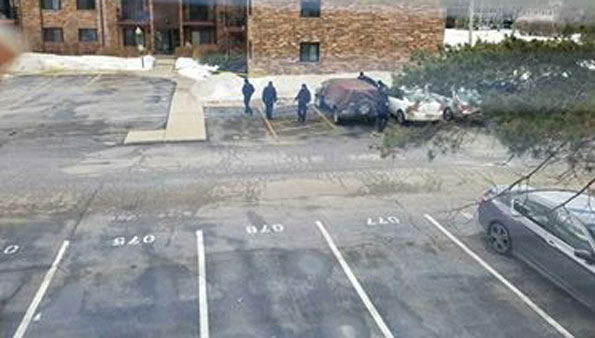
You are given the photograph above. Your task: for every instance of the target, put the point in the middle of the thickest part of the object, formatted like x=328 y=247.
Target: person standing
x=382 y=108
x=247 y=91
x=303 y=98
x=269 y=97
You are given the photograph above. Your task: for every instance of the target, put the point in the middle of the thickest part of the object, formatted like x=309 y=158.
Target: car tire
x=336 y=117
x=319 y=103
x=400 y=118
x=448 y=115
x=499 y=238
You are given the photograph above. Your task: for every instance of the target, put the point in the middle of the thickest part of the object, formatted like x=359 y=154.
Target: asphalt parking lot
x=241 y=237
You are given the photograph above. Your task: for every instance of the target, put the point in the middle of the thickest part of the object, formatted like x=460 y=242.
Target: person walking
x=303 y=98
x=269 y=97
x=247 y=91
x=382 y=109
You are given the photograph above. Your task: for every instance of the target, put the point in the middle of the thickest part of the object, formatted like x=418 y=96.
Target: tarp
x=340 y=93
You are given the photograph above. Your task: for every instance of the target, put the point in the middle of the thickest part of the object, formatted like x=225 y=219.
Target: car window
x=533 y=210
x=568 y=228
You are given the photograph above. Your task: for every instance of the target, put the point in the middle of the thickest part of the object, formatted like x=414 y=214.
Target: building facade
x=313 y=36
x=273 y=36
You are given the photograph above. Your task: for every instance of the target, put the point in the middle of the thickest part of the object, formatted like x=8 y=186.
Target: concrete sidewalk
x=186 y=120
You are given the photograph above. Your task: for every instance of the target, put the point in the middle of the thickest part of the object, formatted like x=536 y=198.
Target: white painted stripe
x=203 y=309
x=467 y=215
x=539 y=311
x=356 y=285
x=40 y=292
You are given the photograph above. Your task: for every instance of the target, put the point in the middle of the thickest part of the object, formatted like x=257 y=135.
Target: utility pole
x=471 y=15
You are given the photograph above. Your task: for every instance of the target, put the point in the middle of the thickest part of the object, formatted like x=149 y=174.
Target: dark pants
x=302 y=112
x=381 y=122
x=269 y=109
x=247 y=109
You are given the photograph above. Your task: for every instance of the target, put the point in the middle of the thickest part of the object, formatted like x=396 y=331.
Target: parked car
x=558 y=241
x=464 y=102
x=347 y=99
x=418 y=105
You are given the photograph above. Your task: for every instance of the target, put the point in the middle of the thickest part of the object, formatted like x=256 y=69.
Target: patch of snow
x=38 y=62
x=589 y=64
x=228 y=86
x=458 y=37
x=189 y=68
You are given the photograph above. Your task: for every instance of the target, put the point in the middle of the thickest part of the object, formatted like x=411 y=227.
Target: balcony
x=199 y=12
x=134 y=11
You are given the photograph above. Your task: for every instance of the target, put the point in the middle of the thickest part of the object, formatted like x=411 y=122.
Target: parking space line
x=269 y=125
x=93 y=80
x=356 y=285
x=40 y=292
x=324 y=118
x=539 y=311
x=203 y=309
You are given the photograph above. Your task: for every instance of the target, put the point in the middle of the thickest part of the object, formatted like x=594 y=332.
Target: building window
x=85 y=4
x=53 y=35
x=87 y=35
x=203 y=36
x=309 y=52
x=130 y=39
x=310 y=8
x=50 y=4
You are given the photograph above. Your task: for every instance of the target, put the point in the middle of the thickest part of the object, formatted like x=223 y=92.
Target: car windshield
x=297 y=168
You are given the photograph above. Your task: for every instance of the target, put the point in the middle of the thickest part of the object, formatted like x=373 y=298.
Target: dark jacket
x=304 y=97
x=382 y=103
x=269 y=95
x=248 y=90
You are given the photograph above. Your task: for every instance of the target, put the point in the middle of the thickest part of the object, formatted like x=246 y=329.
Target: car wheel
x=336 y=117
x=400 y=117
x=499 y=238
x=320 y=102
x=448 y=115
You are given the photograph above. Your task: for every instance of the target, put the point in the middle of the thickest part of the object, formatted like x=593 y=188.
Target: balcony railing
x=198 y=13
x=10 y=13
x=135 y=10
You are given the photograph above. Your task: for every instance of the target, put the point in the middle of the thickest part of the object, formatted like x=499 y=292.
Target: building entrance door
x=166 y=40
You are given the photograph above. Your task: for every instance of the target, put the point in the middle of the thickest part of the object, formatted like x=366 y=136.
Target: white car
x=419 y=105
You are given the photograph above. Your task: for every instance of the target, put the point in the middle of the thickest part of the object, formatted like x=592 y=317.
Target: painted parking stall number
x=264 y=229
x=10 y=249
x=134 y=240
x=375 y=221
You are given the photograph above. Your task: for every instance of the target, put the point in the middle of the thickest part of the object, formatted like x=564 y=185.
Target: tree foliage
x=538 y=96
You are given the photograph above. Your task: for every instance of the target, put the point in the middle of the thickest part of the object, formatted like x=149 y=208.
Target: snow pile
x=189 y=68
x=37 y=62
x=457 y=37
x=227 y=87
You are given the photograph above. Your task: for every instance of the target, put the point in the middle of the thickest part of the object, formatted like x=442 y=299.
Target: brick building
x=280 y=36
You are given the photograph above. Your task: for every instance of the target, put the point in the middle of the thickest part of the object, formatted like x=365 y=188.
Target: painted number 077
x=121 y=241
x=264 y=229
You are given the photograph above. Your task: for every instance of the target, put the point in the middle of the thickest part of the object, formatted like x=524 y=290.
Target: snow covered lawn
x=38 y=62
x=457 y=37
x=189 y=68
x=227 y=87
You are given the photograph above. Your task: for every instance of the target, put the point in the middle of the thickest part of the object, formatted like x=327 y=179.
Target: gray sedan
x=556 y=241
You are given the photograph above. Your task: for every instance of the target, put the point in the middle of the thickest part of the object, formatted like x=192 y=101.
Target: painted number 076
x=121 y=241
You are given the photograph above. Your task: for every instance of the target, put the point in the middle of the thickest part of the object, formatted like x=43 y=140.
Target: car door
x=568 y=236
x=531 y=239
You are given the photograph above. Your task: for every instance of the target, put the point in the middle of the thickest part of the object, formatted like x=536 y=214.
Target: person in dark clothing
x=303 y=98
x=269 y=97
x=247 y=91
x=367 y=79
x=382 y=109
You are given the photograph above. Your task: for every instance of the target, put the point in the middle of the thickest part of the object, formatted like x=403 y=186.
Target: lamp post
x=471 y=17
x=139 y=44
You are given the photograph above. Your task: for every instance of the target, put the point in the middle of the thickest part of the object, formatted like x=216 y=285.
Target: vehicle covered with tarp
x=348 y=99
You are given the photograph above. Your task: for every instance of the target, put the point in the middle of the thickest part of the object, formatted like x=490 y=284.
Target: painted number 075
x=264 y=229
x=121 y=241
